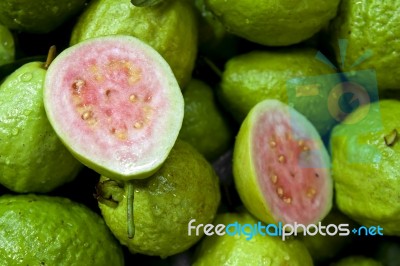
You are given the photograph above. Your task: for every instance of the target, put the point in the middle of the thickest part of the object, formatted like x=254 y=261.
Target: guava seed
x=287 y=200
x=311 y=192
x=279 y=191
x=132 y=98
x=78 y=85
x=87 y=115
x=274 y=179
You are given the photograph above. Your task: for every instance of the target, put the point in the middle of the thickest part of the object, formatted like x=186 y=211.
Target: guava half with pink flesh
x=115 y=103
x=281 y=167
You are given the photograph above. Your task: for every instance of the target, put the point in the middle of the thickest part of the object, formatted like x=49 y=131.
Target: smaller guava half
x=281 y=167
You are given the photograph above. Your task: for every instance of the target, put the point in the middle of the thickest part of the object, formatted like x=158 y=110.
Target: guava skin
x=185 y=188
x=32 y=158
x=44 y=230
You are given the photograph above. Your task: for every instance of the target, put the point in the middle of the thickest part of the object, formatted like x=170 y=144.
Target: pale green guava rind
x=185 y=188
x=111 y=166
x=169 y=27
x=357 y=261
x=368 y=49
x=43 y=230
x=39 y=16
x=292 y=76
x=260 y=250
x=364 y=169
x=32 y=158
x=276 y=22
x=7 y=48
x=244 y=169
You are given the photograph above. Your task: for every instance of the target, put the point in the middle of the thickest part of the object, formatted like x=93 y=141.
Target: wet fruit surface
x=32 y=158
x=184 y=188
x=119 y=113
x=35 y=228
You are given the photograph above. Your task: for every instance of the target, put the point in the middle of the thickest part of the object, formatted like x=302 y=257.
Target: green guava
x=293 y=76
x=185 y=188
x=7 y=49
x=170 y=27
x=273 y=22
x=40 y=16
x=204 y=126
x=357 y=261
x=32 y=158
x=43 y=230
x=370 y=29
x=365 y=154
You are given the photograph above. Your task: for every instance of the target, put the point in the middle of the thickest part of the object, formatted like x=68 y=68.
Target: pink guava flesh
x=114 y=103
x=290 y=168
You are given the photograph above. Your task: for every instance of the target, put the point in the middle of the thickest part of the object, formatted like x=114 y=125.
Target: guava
x=365 y=152
x=44 y=230
x=204 y=125
x=357 y=261
x=211 y=31
x=281 y=167
x=7 y=49
x=293 y=76
x=116 y=105
x=185 y=188
x=259 y=250
x=41 y=16
x=369 y=27
x=170 y=27
x=32 y=158
x=273 y=22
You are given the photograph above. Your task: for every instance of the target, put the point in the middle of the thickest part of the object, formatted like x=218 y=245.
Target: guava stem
x=144 y=3
x=391 y=138
x=50 y=56
x=213 y=67
x=130 y=198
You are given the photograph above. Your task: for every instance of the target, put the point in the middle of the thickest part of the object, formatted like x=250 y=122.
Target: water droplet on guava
x=26 y=76
x=157 y=211
x=14 y=132
x=266 y=261
x=17 y=21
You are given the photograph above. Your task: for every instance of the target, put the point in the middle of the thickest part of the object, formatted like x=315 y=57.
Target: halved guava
x=115 y=103
x=281 y=167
